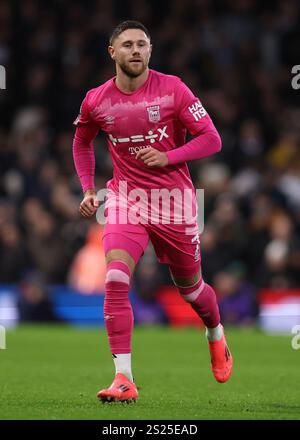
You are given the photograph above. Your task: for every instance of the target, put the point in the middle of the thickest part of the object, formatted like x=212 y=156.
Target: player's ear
x=151 y=49
x=111 y=52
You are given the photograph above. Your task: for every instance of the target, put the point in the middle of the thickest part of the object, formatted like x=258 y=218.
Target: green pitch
x=55 y=372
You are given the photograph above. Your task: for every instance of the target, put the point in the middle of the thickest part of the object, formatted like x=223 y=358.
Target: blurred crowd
x=236 y=56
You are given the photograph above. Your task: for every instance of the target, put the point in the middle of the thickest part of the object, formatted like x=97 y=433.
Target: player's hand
x=89 y=204
x=152 y=157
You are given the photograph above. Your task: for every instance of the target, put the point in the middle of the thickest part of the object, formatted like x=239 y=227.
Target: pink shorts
x=173 y=245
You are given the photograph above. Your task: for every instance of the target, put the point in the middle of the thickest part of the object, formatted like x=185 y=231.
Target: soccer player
x=145 y=115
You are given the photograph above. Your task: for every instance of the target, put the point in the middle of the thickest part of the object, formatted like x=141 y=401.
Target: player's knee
x=186 y=281
x=192 y=293
x=120 y=255
x=190 y=287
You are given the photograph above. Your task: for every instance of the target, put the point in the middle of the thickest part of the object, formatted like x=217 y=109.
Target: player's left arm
x=195 y=118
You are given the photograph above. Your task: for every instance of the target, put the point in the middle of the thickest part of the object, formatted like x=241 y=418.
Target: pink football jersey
x=158 y=114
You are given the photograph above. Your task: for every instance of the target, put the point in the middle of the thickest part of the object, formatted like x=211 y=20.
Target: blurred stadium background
x=237 y=57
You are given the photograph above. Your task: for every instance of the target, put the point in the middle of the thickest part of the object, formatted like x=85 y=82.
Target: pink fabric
x=118 y=315
x=117 y=275
x=126 y=242
x=158 y=115
x=185 y=271
x=201 y=146
x=171 y=244
x=118 y=265
x=83 y=155
x=203 y=299
x=194 y=292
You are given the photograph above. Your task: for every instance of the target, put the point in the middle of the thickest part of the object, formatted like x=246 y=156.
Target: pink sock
x=204 y=301
x=118 y=315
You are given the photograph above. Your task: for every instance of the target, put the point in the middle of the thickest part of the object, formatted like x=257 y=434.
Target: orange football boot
x=221 y=359
x=121 y=390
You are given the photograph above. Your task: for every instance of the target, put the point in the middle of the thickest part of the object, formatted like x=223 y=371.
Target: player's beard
x=130 y=72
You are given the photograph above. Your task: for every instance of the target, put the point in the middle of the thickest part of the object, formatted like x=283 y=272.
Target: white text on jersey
x=197 y=110
x=151 y=136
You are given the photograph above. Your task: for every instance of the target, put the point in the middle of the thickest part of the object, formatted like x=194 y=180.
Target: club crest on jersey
x=154 y=113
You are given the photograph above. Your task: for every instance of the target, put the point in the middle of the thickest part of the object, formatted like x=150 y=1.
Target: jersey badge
x=154 y=113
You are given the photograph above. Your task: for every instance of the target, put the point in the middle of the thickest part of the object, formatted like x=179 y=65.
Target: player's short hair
x=128 y=24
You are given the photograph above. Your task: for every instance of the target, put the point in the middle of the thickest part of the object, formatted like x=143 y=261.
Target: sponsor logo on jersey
x=135 y=150
x=152 y=137
x=154 y=113
x=197 y=110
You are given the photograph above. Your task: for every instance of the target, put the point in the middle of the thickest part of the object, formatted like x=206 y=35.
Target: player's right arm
x=84 y=158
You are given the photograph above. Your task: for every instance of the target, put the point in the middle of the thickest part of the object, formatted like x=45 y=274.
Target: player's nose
x=136 y=51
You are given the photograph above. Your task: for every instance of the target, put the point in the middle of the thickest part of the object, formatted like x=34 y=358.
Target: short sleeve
x=190 y=111
x=84 y=117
